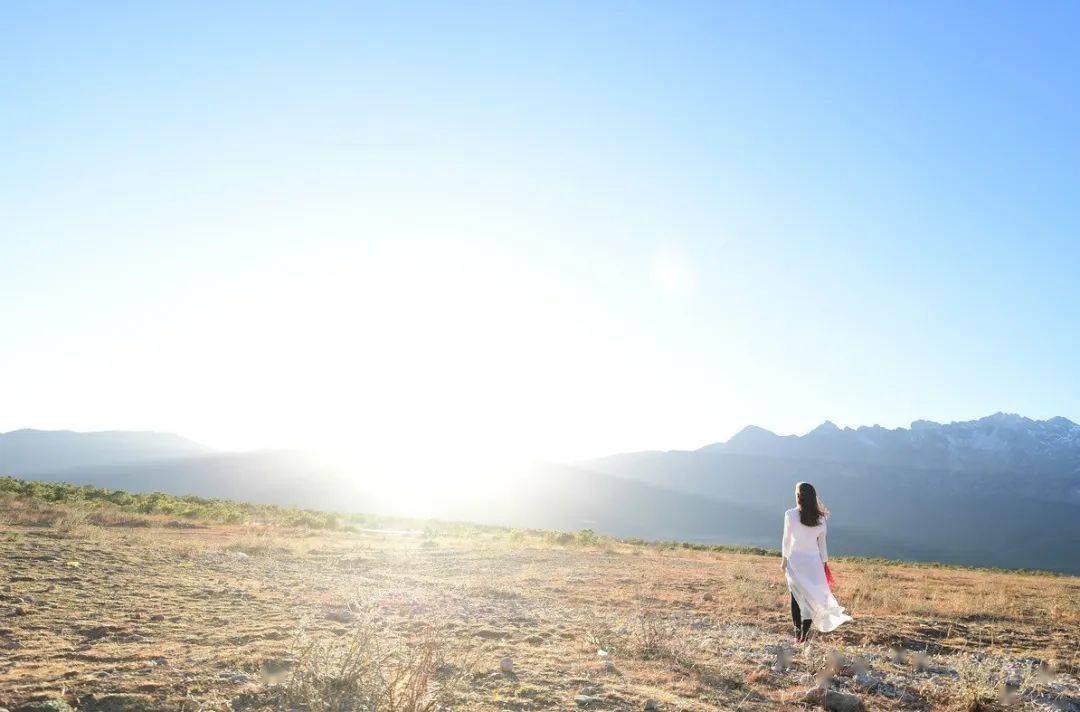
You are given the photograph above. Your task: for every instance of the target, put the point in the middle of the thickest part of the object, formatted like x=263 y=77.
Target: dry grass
x=267 y=618
x=26 y=512
x=362 y=671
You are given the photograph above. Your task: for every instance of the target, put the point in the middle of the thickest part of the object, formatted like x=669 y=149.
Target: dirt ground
x=219 y=618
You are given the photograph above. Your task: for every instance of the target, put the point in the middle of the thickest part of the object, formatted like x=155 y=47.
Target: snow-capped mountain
x=1002 y=442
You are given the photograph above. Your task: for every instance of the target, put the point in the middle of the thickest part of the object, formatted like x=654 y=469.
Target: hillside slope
x=538 y=495
x=137 y=612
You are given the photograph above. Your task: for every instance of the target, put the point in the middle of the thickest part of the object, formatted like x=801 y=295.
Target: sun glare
x=673 y=272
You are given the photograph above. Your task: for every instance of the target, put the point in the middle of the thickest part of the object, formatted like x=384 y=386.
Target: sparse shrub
x=561 y=538
x=655 y=635
x=603 y=636
x=364 y=671
x=587 y=537
x=980 y=683
x=71 y=520
x=233 y=517
x=252 y=544
x=337 y=675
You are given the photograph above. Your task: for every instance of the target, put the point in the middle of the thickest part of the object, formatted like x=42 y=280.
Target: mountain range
x=1001 y=453
x=41 y=451
x=1003 y=490
x=998 y=491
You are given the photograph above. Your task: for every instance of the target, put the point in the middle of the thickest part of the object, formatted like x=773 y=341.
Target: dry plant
x=980 y=684
x=337 y=675
x=601 y=635
x=71 y=520
x=655 y=635
x=16 y=511
x=412 y=679
x=365 y=670
x=263 y=542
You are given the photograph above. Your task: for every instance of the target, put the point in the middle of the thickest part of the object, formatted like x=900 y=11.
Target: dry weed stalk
x=368 y=671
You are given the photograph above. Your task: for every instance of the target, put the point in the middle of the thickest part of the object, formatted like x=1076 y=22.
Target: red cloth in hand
x=829 y=577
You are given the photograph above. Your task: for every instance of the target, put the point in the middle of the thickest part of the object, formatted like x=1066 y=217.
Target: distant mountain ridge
x=1039 y=459
x=29 y=452
x=998 y=442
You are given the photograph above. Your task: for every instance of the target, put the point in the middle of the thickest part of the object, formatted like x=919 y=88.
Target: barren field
x=247 y=617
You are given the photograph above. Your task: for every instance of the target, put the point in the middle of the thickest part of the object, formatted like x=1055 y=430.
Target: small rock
x=1047 y=672
x=133 y=638
x=866 y=681
x=46 y=706
x=507 y=666
x=341 y=616
x=833 y=700
x=121 y=703
x=887 y=690
x=860 y=666
x=96 y=633
x=237 y=678
x=1008 y=695
x=783 y=660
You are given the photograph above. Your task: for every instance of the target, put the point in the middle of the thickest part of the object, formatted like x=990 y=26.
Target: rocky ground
x=252 y=618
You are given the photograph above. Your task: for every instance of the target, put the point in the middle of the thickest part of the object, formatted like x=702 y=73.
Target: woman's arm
x=785 y=542
x=822 y=549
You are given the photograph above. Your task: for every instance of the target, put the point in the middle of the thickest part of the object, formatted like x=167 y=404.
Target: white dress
x=806 y=554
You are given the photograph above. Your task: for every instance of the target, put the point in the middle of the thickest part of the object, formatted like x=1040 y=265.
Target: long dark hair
x=811 y=511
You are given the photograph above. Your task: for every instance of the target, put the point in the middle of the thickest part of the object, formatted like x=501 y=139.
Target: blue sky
x=569 y=228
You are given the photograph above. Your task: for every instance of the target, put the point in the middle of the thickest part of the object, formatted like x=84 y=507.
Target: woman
x=805 y=556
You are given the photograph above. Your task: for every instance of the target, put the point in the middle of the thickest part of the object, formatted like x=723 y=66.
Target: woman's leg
x=802 y=627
